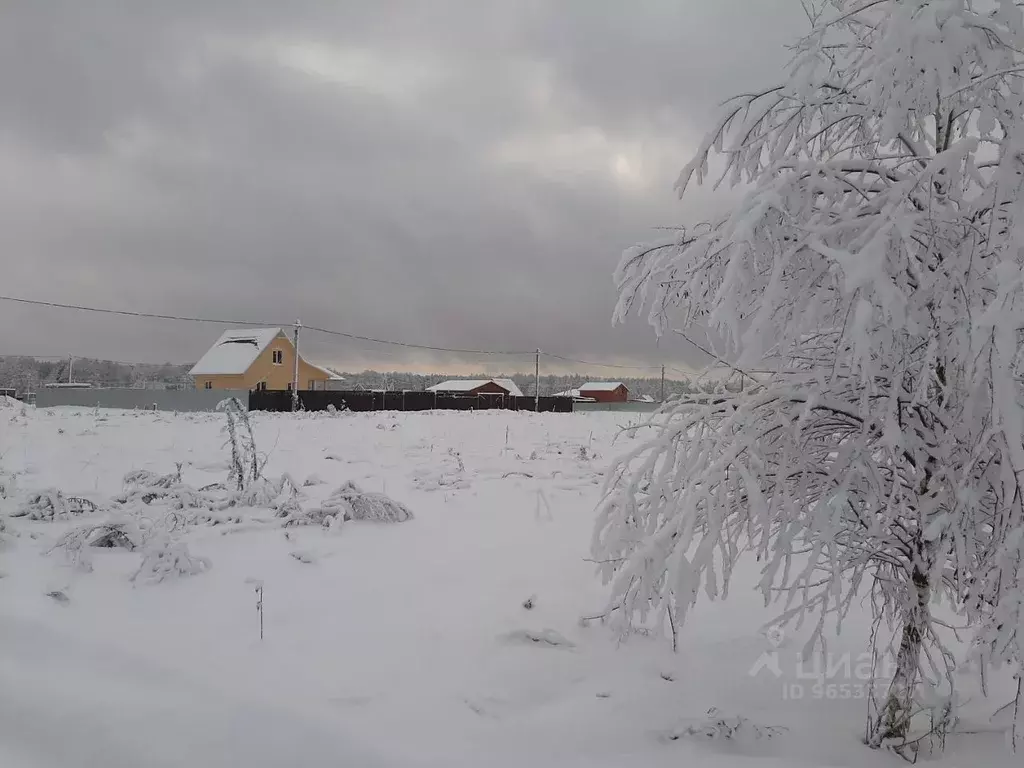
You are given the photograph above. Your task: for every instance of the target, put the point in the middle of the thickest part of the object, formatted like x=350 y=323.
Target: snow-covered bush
x=145 y=487
x=115 y=534
x=165 y=559
x=7 y=484
x=876 y=265
x=350 y=502
x=6 y=534
x=718 y=726
x=358 y=504
x=451 y=475
x=265 y=493
x=143 y=478
x=181 y=496
x=51 y=504
x=245 y=463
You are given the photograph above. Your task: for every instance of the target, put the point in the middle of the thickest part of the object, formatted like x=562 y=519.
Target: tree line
x=28 y=374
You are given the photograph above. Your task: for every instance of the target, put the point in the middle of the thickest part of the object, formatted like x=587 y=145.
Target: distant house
x=336 y=382
x=260 y=358
x=574 y=394
x=477 y=387
x=605 y=391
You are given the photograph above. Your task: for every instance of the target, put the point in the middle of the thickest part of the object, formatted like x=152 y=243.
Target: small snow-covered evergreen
x=875 y=266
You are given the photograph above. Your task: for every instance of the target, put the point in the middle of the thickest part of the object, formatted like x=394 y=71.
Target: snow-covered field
x=396 y=645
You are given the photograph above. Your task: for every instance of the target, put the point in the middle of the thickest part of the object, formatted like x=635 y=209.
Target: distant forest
x=27 y=374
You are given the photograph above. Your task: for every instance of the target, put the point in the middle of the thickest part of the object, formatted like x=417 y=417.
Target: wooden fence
x=361 y=400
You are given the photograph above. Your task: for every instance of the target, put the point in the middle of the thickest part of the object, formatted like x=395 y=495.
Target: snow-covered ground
x=394 y=645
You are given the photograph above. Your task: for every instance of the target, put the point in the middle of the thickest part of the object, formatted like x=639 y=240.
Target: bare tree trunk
x=894 y=719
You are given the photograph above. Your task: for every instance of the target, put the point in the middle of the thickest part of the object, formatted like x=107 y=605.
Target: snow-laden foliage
x=51 y=504
x=127 y=532
x=143 y=478
x=8 y=483
x=874 y=267
x=245 y=462
x=167 y=490
x=450 y=476
x=357 y=504
x=166 y=558
x=279 y=495
x=350 y=502
x=718 y=726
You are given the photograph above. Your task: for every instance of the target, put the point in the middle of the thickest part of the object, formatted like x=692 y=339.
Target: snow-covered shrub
x=125 y=535
x=326 y=516
x=350 y=502
x=51 y=504
x=545 y=638
x=451 y=475
x=718 y=726
x=145 y=487
x=180 y=496
x=165 y=559
x=265 y=493
x=120 y=534
x=7 y=484
x=143 y=478
x=245 y=463
x=358 y=504
x=6 y=534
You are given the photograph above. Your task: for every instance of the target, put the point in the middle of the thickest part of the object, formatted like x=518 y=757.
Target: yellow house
x=259 y=358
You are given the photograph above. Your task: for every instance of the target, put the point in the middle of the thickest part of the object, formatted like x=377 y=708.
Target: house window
x=261 y=387
x=289 y=386
x=312 y=384
x=208 y=385
x=278 y=357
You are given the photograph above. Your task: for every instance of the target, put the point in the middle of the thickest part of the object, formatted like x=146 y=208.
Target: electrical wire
x=127 y=313
x=213 y=321
x=602 y=365
x=327 y=331
x=356 y=337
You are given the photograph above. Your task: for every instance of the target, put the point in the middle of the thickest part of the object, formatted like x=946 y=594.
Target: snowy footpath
x=451 y=639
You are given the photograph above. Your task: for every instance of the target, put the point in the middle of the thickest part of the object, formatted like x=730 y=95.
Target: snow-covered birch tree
x=875 y=264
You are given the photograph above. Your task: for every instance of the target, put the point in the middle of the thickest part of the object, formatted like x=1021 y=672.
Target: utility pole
x=71 y=367
x=295 y=372
x=536 y=380
x=663 y=383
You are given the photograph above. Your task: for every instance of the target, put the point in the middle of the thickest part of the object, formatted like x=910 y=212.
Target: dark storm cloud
x=461 y=174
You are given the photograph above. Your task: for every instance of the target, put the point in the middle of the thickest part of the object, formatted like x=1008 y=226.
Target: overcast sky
x=458 y=173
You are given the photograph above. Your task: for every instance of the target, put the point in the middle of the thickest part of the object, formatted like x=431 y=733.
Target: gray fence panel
x=619 y=407
x=130 y=399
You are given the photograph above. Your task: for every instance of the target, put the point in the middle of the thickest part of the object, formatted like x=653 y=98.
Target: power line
x=316 y=329
x=212 y=321
x=602 y=365
x=127 y=313
x=416 y=346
